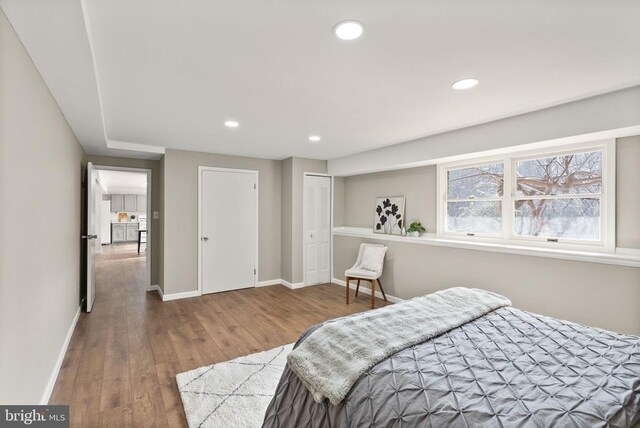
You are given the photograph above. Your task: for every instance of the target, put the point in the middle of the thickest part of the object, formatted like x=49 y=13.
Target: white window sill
x=622 y=256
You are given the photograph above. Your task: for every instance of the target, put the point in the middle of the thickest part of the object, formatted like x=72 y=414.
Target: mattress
x=508 y=368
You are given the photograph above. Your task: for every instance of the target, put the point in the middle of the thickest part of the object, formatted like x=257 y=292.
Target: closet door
x=317 y=223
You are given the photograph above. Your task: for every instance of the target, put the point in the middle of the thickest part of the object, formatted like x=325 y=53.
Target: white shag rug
x=233 y=393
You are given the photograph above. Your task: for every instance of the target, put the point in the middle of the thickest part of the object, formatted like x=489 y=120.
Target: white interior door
x=228 y=226
x=91 y=235
x=317 y=212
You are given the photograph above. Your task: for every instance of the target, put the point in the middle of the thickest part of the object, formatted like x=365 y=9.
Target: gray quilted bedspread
x=509 y=368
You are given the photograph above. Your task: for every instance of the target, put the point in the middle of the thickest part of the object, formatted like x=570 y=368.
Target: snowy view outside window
x=559 y=196
x=554 y=197
x=474 y=199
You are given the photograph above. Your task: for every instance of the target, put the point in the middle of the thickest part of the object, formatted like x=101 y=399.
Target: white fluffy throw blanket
x=333 y=357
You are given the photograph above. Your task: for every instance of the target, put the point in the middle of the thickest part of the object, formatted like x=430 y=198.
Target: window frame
x=446 y=200
x=508 y=235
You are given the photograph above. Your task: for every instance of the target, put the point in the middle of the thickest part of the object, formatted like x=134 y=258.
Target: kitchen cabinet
x=118 y=233
x=141 y=203
x=132 y=232
x=130 y=203
x=124 y=232
x=117 y=203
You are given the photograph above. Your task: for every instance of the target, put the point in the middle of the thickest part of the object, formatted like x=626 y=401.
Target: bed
x=507 y=368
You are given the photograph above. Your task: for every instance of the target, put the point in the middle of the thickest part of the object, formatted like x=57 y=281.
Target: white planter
x=414 y=234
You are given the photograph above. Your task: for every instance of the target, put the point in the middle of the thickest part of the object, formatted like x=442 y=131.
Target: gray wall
x=293 y=170
x=417 y=184
x=596 y=294
x=286 y=269
x=41 y=167
x=160 y=252
x=338 y=201
x=627 y=192
x=600 y=295
x=156 y=195
x=181 y=215
x=613 y=110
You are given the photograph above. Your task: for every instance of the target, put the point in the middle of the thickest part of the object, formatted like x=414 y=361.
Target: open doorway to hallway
x=122 y=251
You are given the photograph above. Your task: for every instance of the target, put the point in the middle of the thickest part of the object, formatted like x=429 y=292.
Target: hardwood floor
x=120 y=367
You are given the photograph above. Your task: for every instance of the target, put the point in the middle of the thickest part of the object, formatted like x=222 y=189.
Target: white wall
x=98 y=216
x=113 y=217
x=41 y=167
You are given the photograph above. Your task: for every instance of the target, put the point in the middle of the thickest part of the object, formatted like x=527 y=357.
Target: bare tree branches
x=576 y=176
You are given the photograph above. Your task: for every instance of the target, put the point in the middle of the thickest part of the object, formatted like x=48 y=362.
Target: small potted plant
x=415 y=229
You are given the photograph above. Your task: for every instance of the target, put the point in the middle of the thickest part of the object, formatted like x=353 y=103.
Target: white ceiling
x=170 y=73
x=116 y=181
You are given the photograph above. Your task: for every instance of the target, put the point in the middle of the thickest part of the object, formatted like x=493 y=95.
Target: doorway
x=228 y=229
x=317 y=229
x=118 y=232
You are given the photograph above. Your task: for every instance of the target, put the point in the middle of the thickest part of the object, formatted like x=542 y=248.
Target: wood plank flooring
x=120 y=367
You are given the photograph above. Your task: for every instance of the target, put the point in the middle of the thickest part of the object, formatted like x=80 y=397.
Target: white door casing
x=317 y=234
x=91 y=235
x=228 y=218
x=117 y=204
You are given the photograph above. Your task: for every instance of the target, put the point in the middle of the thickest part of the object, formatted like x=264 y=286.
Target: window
x=554 y=197
x=474 y=199
x=559 y=196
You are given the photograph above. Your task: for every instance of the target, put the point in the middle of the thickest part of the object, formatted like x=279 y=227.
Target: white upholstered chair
x=358 y=273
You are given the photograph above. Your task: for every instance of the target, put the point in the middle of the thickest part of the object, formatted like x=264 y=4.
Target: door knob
x=89 y=236
x=205 y=238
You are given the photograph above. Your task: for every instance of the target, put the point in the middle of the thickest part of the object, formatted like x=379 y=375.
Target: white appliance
x=105 y=222
x=142 y=224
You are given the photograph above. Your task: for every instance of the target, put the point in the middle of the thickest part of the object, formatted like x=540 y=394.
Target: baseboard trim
x=293 y=285
x=188 y=294
x=269 y=282
x=177 y=296
x=156 y=287
x=367 y=290
x=56 y=369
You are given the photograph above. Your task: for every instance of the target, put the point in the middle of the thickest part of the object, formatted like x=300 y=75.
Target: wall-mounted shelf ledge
x=621 y=257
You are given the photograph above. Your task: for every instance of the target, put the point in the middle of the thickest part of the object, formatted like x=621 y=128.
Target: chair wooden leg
x=373 y=293
x=357 y=287
x=347 y=288
x=382 y=289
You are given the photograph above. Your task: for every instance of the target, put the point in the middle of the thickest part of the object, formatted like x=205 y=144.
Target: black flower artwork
x=389 y=213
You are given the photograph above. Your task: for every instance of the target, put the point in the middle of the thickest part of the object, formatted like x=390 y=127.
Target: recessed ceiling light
x=314 y=138
x=348 y=30
x=465 y=84
x=231 y=124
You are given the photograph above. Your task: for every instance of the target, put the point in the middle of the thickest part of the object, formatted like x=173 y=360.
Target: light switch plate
x=156 y=215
